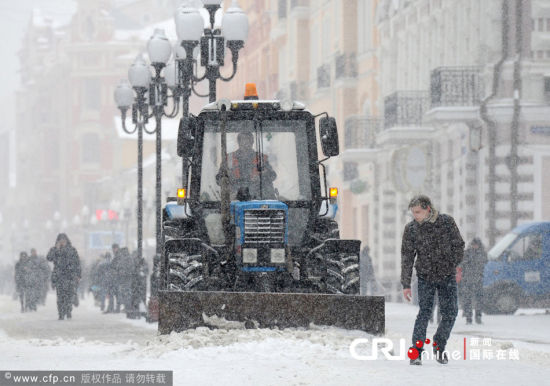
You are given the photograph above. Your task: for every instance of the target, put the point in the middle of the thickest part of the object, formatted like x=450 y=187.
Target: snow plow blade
x=180 y=311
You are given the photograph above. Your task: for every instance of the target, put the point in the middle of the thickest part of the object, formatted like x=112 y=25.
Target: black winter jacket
x=437 y=246
x=66 y=265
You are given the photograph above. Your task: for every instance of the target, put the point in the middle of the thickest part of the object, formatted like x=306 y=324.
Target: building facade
x=465 y=117
x=67 y=142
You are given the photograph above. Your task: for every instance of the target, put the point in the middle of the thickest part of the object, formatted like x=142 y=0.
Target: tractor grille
x=264 y=226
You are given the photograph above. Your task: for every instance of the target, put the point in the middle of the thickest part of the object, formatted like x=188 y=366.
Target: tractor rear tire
x=185 y=272
x=342 y=274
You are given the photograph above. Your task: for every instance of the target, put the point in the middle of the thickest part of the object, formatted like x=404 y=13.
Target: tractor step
x=181 y=310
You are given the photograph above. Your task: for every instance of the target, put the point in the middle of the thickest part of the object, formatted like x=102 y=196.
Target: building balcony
x=405 y=108
x=360 y=132
x=360 y=138
x=455 y=94
x=345 y=66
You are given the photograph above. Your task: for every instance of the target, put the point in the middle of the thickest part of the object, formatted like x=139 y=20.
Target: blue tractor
x=251 y=237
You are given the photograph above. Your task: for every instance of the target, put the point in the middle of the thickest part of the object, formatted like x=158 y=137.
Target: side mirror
x=186 y=136
x=329 y=136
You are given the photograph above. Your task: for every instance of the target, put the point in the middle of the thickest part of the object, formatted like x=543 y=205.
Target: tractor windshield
x=266 y=160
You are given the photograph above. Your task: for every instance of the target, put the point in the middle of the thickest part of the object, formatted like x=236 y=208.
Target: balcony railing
x=345 y=66
x=405 y=108
x=298 y=3
x=360 y=132
x=456 y=86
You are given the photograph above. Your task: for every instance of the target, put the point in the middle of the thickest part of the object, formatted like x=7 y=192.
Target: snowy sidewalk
x=320 y=356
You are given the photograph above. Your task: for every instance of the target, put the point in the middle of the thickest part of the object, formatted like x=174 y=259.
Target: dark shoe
x=478 y=319
x=416 y=362
x=60 y=318
x=441 y=356
x=69 y=316
x=468 y=320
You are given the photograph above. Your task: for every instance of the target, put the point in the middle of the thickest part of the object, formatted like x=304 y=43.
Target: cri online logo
x=414 y=352
x=385 y=346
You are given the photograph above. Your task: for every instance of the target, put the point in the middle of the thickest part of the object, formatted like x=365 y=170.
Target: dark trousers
x=448 y=304
x=65 y=294
x=472 y=297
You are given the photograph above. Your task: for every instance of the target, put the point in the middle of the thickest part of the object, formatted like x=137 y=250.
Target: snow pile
x=323 y=338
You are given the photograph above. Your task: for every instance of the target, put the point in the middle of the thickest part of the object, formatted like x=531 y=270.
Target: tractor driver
x=245 y=168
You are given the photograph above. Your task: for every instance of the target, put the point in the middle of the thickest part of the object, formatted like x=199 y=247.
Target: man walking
x=66 y=274
x=434 y=241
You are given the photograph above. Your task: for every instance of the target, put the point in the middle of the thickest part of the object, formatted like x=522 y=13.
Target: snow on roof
x=168 y=25
x=145 y=33
x=169 y=129
x=53 y=17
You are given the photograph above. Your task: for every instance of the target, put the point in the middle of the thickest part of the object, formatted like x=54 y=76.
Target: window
x=282 y=9
x=526 y=248
x=323 y=76
x=350 y=171
x=280 y=142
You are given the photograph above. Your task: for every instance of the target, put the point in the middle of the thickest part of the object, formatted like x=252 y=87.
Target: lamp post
x=192 y=34
x=180 y=78
x=151 y=94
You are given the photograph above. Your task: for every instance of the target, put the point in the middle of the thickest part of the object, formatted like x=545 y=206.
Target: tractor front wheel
x=185 y=272
x=342 y=273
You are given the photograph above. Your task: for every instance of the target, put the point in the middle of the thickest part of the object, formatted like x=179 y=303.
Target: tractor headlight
x=250 y=255
x=278 y=255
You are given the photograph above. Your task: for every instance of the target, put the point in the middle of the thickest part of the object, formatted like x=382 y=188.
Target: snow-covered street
x=93 y=341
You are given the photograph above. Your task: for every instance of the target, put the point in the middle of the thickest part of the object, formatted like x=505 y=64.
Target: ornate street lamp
x=191 y=32
x=151 y=93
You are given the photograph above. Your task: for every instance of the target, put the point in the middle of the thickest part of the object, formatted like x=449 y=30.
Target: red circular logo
x=413 y=353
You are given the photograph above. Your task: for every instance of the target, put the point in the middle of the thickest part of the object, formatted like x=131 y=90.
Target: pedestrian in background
x=433 y=245
x=138 y=286
x=108 y=281
x=471 y=285
x=125 y=272
x=43 y=275
x=66 y=274
x=117 y=267
x=368 y=283
x=22 y=282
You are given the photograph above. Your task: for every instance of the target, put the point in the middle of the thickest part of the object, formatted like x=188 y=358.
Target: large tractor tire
x=185 y=272
x=342 y=274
